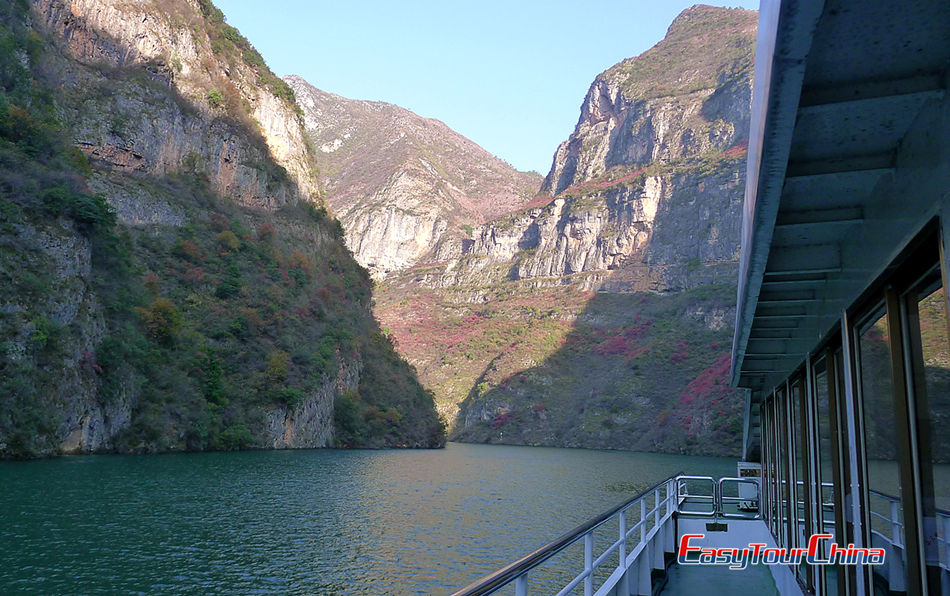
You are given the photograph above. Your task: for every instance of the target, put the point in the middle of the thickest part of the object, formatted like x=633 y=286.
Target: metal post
x=670 y=497
x=521 y=585
x=589 y=563
x=895 y=524
x=643 y=519
x=623 y=541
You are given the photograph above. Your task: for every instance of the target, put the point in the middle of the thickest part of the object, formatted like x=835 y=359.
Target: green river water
x=303 y=522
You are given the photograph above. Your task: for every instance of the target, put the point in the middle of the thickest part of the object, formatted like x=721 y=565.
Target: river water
x=305 y=522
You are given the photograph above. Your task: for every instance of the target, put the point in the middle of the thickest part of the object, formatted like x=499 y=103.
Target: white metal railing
x=893 y=520
x=638 y=521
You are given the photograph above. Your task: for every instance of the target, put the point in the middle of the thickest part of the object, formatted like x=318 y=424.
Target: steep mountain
x=171 y=278
x=407 y=189
x=599 y=314
x=685 y=97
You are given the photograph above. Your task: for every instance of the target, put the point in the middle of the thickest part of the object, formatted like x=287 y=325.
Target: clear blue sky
x=508 y=74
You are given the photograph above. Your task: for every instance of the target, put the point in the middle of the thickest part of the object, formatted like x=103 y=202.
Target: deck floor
x=719 y=579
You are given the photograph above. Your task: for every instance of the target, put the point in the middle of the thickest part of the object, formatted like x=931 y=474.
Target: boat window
x=782 y=451
x=886 y=513
x=802 y=484
x=768 y=466
x=826 y=475
x=926 y=306
x=776 y=471
x=825 y=461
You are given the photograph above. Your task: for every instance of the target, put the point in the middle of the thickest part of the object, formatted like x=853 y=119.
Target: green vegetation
x=245 y=322
x=226 y=41
x=592 y=192
x=561 y=366
x=215 y=99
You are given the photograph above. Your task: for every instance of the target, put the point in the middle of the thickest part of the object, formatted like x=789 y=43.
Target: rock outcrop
x=685 y=97
x=668 y=232
x=174 y=46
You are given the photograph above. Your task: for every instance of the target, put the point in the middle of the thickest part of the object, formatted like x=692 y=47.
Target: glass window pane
x=799 y=463
x=886 y=511
x=800 y=451
x=825 y=464
x=782 y=453
x=773 y=467
x=934 y=401
x=826 y=507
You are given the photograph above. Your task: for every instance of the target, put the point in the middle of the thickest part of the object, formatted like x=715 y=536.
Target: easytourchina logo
x=756 y=553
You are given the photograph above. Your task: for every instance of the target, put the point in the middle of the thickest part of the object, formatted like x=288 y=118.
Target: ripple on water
x=302 y=522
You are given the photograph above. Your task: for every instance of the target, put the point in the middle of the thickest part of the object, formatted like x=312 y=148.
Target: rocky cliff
x=187 y=47
x=173 y=280
x=685 y=97
x=407 y=189
x=598 y=314
x=648 y=186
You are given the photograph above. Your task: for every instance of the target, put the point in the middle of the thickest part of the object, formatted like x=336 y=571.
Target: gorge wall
x=174 y=279
x=599 y=313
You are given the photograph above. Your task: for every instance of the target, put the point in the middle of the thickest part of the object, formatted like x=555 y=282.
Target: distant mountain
x=407 y=189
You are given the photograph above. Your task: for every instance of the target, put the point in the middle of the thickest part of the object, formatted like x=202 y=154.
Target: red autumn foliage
x=265 y=232
x=538 y=200
x=504 y=418
x=219 y=222
x=188 y=250
x=89 y=361
x=623 y=341
x=711 y=384
x=594 y=185
x=738 y=150
x=193 y=275
x=681 y=354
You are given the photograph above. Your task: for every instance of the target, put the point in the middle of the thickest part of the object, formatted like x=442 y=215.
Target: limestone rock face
x=647 y=190
x=85 y=424
x=686 y=96
x=310 y=425
x=673 y=232
x=143 y=128
x=407 y=189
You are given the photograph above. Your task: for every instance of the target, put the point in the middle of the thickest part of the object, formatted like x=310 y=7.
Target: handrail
x=723 y=499
x=506 y=574
x=684 y=496
x=894 y=499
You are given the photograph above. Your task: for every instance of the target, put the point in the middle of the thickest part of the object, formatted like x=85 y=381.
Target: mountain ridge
x=429 y=184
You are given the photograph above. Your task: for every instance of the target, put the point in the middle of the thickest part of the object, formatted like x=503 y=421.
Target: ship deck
x=712 y=579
